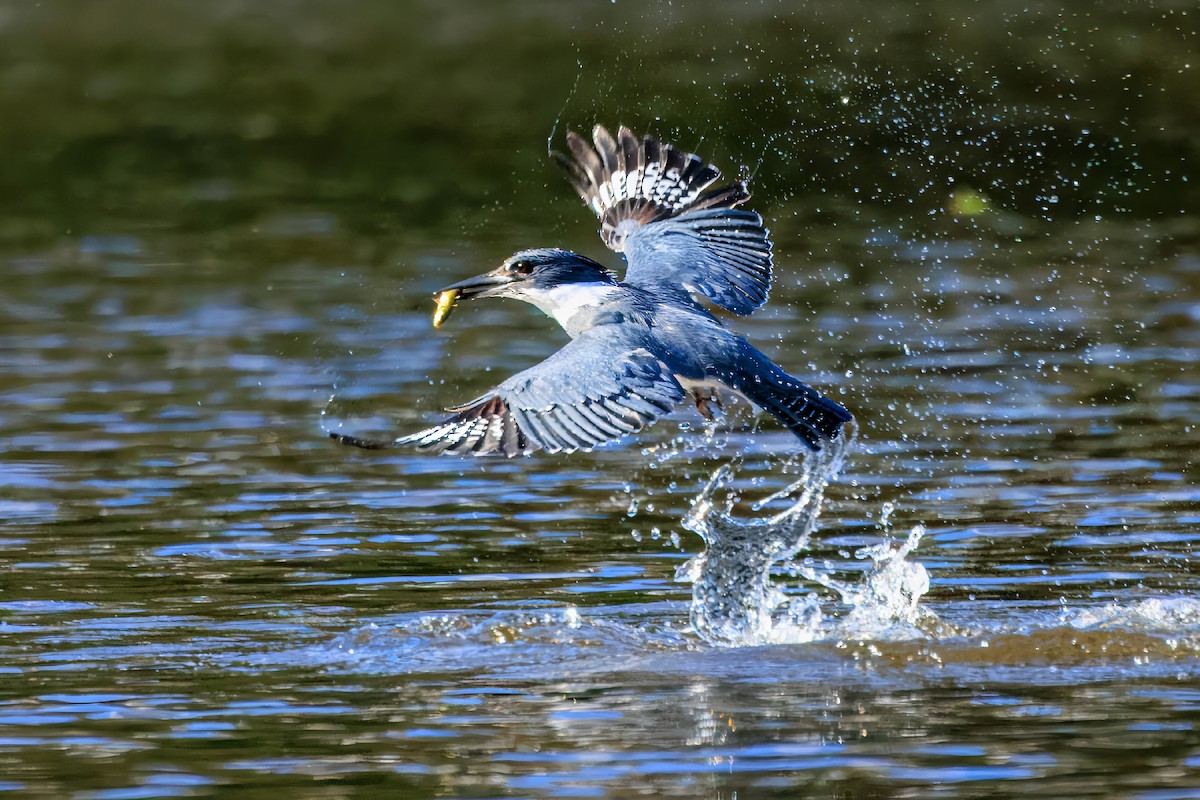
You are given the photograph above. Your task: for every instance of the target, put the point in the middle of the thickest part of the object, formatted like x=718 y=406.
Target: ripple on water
x=1154 y=637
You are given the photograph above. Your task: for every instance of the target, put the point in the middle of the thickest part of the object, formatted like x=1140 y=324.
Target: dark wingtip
x=354 y=441
x=729 y=196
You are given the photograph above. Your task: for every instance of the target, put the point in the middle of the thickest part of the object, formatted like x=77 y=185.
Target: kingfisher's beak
x=484 y=285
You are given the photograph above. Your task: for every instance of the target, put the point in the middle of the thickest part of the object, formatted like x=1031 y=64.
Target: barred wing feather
x=591 y=391
x=658 y=206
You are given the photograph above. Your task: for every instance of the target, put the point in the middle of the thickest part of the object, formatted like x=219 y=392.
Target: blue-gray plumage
x=638 y=345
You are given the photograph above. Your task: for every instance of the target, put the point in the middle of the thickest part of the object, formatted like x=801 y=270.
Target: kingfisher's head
x=558 y=282
x=532 y=273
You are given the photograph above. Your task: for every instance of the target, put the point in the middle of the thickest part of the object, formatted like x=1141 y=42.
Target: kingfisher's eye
x=520 y=267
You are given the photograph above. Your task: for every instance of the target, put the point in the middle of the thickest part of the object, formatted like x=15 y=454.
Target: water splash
x=733 y=596
x=885 y=601
x=735 y=601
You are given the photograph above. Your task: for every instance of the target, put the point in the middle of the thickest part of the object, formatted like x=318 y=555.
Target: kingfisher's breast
x=572 y=305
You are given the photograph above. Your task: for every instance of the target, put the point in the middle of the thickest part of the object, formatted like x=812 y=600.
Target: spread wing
x=593 y=390
x=658 y=207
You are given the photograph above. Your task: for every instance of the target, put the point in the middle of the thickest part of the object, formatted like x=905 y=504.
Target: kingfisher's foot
x=705 y=405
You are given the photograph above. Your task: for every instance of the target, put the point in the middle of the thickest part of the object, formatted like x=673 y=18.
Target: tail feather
x=807 y=413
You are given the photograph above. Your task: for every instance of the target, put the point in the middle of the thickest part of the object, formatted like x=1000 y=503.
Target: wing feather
x=566 y=419
x=594 y=390
x=537 y=431
x=659 y=207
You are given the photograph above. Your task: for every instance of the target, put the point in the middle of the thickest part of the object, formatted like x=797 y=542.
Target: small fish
x=446 y=301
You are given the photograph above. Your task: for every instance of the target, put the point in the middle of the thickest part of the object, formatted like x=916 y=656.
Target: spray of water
x=735 y=599
x=885 y=601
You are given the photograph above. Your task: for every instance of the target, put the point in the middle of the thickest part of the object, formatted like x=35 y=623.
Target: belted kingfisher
x=638 y=344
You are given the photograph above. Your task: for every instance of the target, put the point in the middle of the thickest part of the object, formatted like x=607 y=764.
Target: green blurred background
x=133 y=115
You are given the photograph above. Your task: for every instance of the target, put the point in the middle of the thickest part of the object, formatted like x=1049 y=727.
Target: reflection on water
x=216 y=216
